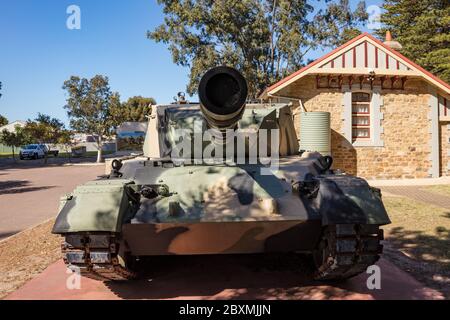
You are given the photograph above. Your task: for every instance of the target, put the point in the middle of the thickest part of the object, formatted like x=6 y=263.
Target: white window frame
x=376 y=116
x=369 y=115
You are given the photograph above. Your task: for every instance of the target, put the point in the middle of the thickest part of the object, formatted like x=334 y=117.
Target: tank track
x=344 y=251
x=347 y=250
x=96 y=256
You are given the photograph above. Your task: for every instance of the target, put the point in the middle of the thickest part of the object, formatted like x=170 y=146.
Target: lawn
x=7 y=155
x=419 y=240
x=88 y=154
x=443 y=189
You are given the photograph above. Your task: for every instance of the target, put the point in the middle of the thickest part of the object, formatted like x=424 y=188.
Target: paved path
x=416 y=193
x=224 y=277
x=30 y=194
x=409 y=182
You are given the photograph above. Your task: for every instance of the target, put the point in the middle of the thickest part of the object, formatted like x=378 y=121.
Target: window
x=360 y=115
x=363 y=119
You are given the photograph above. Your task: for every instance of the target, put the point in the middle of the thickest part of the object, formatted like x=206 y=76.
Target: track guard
x=344 y=199
x=97 y=206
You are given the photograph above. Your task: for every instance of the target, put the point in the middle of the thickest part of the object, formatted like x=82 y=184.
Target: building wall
x=444 y=148
x=405 y=124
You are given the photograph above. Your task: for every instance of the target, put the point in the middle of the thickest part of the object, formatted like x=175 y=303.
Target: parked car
x=36 y=151
x=32 y=151
x=50 y=152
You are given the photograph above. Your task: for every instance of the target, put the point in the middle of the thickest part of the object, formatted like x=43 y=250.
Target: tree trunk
x=14 y=157
x=100 y=150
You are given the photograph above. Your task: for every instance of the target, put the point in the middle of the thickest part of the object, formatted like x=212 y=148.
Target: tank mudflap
x=347 y=250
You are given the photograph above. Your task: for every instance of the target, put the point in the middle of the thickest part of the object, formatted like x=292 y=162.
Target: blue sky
x=38 y=52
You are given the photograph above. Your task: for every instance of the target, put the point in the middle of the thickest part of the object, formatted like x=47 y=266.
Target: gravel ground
x=27 y=254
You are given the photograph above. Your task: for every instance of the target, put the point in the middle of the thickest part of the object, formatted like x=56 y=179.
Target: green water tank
x=315 y=132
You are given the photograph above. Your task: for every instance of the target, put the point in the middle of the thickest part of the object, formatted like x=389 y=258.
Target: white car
x=33 y=151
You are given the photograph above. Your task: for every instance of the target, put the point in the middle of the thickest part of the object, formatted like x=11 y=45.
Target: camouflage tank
x=174 y=200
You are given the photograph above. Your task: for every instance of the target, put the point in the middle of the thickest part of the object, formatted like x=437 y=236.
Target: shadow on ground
x=19 y=186
x=39 y=163
x=425 y=256
x=4 y=235
x=249 y=276
x=229 y=276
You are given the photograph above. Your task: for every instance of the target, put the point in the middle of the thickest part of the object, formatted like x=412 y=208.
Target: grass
x=6 y=155
x=443 y=189
x=419 y=240
x=88 y=154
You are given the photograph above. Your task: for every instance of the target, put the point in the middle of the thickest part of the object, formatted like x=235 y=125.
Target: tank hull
x=151 y=239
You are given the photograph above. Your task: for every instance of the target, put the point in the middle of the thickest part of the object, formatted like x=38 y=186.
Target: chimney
x=391 y=43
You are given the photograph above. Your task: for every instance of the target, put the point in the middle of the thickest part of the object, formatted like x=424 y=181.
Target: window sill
x=367 y=143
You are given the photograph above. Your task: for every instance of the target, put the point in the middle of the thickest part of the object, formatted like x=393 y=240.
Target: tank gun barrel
x=222 y=92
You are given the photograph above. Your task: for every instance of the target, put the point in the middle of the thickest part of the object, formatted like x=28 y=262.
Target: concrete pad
x=224 y=277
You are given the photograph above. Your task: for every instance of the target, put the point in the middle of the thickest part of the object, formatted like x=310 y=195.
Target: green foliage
x=264 y=39
x=14 y=139
x=89 y=106
x=3 y=121
x=423 y=29
x=135 y=110
x=43 y=129
x=65 y=138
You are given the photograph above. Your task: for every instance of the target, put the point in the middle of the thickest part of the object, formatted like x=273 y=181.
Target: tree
x=14 y=139
x=3 y=121
x=423 y=29
x=88 y=106
x=135 y=110
x=44 y=130
x=65 y=138
x=264 y=39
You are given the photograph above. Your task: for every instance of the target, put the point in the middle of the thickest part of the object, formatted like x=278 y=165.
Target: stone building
x=389 y=116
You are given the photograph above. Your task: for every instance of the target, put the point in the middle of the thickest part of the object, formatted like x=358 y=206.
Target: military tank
x=173 y=200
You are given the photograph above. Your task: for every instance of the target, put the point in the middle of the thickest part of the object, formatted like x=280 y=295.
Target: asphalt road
x=30 y=192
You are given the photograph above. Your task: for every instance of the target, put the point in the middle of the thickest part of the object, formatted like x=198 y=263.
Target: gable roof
x=359 y=55
x=11 y=127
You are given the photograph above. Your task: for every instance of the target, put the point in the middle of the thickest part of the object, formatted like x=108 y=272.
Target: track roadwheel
x=346 y=250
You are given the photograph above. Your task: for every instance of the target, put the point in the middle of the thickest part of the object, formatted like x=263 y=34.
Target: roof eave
x=417 y=71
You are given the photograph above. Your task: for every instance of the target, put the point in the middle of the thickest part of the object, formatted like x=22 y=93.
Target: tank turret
x=223 y=93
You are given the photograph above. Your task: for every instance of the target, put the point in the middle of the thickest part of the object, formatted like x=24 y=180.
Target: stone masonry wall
x=444 y=148
x=406 y=134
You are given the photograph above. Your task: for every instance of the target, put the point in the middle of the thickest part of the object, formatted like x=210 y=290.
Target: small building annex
x=390 y=118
